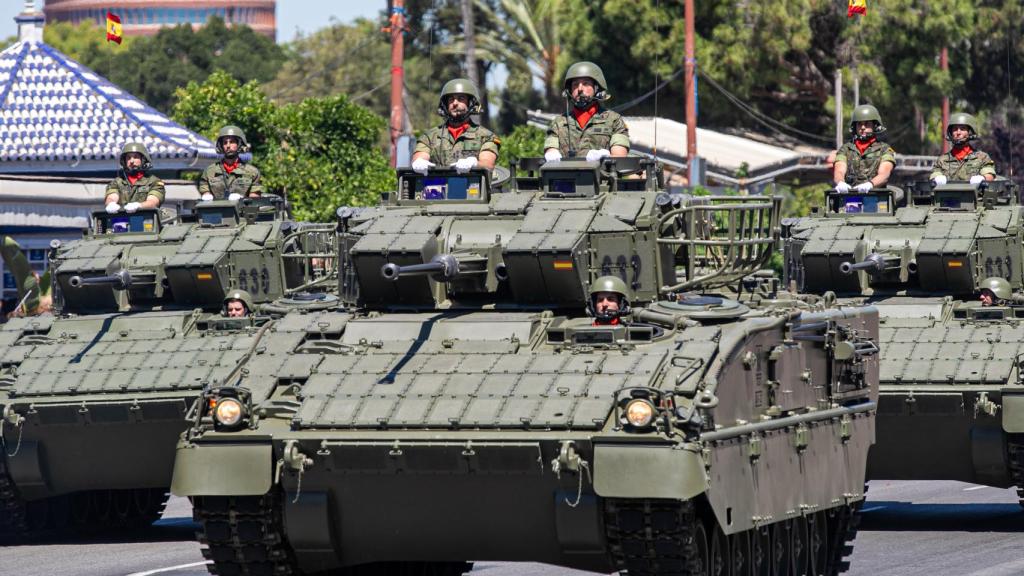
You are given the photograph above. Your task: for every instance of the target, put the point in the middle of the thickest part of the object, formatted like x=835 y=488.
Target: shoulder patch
x=496 y=140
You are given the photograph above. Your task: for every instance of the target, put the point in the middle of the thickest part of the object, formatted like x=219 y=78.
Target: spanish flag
x=114 y=27
x=854 y=7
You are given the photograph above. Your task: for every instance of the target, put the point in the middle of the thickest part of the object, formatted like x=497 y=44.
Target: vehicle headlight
x=640 y=412
x=228 y=412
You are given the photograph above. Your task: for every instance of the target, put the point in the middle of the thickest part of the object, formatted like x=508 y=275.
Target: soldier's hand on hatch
x=843 y=188
x=206 y=197
x=112 y=208
x=552 y=156
x=864 y=187
x=132 y=207
x=939 y=180
x=597 y=155
x=234 y=197
x=421 y=165
x=977 y=179
x=464 y=165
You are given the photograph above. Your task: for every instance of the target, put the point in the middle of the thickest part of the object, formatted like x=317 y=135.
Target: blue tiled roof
x=54 y=111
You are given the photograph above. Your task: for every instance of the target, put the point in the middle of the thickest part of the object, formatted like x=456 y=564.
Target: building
x=146 y=17
x=62 y=127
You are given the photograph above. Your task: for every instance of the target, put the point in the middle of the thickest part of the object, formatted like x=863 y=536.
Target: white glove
x=132 y=207
x=864 y=187
x=939 y=180
x=464 y=165
x=843 y=188
x=206 y=197
x=421 y=165
x=552 y=155
x=597 y=155
x=234 y=197
x=112 y=208
x=977 y=179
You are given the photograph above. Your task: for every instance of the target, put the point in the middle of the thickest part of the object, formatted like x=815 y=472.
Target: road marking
x=872 y=509
x=972 y=488
x=168 y=569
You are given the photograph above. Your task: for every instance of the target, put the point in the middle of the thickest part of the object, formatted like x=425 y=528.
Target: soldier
x=135 y=188
x=609 y=300
x=995 y=292
x=865 y=162
x=33 y=293
x=237 y=304
x=593 y=131
x=963 y=162
x=459 y=141
x=230 y=178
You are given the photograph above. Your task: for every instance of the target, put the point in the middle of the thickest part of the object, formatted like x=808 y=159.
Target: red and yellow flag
x=854 y=7
x=114 y=27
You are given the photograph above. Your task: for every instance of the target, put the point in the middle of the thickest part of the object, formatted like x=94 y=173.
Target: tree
x=523 y=142
x=321 y=153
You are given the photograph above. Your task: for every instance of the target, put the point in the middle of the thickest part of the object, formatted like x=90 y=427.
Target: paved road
x=909 y=528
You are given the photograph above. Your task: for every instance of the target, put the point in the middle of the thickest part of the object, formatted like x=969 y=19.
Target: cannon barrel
x=120 y=280
x=872 y=264
x=443 y=267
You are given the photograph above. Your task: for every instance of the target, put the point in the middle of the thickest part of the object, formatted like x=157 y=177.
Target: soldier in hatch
x=996 y=291
x=459 y=141
x=865 y=162
x=237 y=304
x=135 y=187
x=963 y=162
x=592 y=131
x=230 y=178
x=609 y=301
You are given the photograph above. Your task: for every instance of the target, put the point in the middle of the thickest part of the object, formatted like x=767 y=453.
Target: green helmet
x=232 y=131
x=1000 y=287
x=866 y=113
x=139 y=148
x=608 y=284
x=238 y=294
x=590 y=70
x=962 y=119
x=459 y=86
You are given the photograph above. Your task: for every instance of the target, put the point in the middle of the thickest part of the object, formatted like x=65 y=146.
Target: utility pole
x=396 y=28
x=839 y=108
x=691 y=95
x=468 y=31
x=944 y=66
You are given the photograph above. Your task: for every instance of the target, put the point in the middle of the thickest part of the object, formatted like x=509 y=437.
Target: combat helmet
x=866 y=113
x=238 y=294
x=608 y=284
x=999 y=287
x=235 y=131
x=962 y=119
x=584 y=69
x=459 y=86
x=139 y=148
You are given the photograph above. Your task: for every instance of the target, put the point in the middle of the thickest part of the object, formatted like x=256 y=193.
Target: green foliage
x=524 y=141
x=798 y=200
x=86 y=43
x=321 y=152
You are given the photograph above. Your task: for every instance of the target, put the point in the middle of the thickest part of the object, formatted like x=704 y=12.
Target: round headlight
x=640 y=412
x=228 y=412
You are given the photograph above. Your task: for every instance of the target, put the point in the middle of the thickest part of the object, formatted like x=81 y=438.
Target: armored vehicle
x=465 y=407
x=952 y=396
x=94 y=396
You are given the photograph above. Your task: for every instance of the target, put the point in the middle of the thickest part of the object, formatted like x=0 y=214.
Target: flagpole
x=397 y=27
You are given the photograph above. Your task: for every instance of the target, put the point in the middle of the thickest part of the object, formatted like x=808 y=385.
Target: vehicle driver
x=237 y=304
x=995 y=292
x=134 y=187
x=865 y=162
x=593 y=132
x=609 y=301
x=963 y=162
x=230 y=178
x=459 y=142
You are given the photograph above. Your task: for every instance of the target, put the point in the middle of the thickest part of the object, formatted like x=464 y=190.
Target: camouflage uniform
x=604 y=130
x=863 y=167
x=24 y=279
x=443 y=150
x=244 y=180
x=974 y=164
x=144 y=187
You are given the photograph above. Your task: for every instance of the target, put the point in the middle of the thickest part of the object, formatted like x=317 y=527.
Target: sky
x=292 y=15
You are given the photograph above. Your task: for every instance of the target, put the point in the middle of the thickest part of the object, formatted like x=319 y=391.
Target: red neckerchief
x=457 y=131
x=133 y=178
x=961 y=152
x=862 y=146
x=231 y=167
x=612 y=322
x=584 y=116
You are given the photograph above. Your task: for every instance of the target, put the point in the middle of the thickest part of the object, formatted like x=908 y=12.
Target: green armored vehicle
x=952 y=395
x=465 y=407
x=94 y=397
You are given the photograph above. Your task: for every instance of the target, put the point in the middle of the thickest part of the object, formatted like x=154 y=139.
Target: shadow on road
x=907 y=516
x=166 y=530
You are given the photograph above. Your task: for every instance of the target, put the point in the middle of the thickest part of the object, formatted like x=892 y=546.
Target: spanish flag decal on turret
x=855 y=7
x=114 y=27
